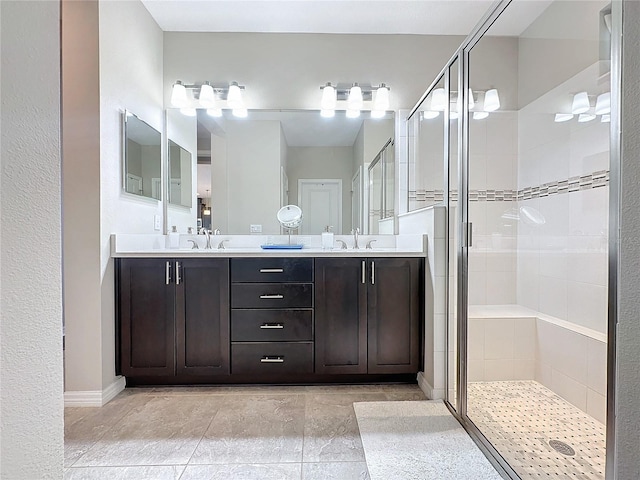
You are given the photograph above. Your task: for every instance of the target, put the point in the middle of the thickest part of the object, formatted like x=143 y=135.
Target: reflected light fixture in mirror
x=491 y=100
x=586 y=117
x=480 y=115
x=381 y=104
x=603 y=104
x=207 y=205
x=580 y=103
x=438 y=100
x=563 y=117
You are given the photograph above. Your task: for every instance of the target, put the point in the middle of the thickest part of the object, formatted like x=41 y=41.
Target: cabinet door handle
x=178 y=279
x=272 y=296
x=267 y=359
x=167 y=273
x=373 y=273
x=272 y=326
x=364 y=271
x=271 y=270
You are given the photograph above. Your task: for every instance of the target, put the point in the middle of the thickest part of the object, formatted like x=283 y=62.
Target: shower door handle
x=467 y=234
x=470 y=234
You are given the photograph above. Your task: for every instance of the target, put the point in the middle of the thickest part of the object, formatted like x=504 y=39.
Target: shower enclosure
x=513 y=141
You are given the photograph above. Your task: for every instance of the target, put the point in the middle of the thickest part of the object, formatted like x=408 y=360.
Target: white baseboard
x=94 y=398
x=429 y=391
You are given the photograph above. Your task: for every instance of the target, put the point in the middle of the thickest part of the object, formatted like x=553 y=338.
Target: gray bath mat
x=417 y=441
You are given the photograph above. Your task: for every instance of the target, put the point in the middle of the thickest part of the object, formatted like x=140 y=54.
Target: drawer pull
x=272 y=296
x=266 y=359
x=271 y=326
x=271 y=270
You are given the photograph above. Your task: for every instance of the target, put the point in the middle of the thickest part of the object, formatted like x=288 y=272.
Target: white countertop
x=149 y=246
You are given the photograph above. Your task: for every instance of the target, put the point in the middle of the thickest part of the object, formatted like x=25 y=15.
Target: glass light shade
x=329 y=98
x=606 y=118
x=580 y=103
x=189 y=112
x=378 y=113
x=240 y=112
x=179 y=95
x=430 y=114
x=353 y=113
x=327 y=113
x=453 y=115
x=491 y=100
x=586 y=117
x=206 y=211
x=214 y=112
x=563 y=117
x=234 y=96
x=472 y=101
x=438 y=100
x=207 y=97
x=603 y=104
x=355 y=98
x=382 y=98
x=480 y=115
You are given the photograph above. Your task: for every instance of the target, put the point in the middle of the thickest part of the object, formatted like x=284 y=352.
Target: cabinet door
x=341 y=316
x=147 y=330
x=202 y=316
x=394 y=315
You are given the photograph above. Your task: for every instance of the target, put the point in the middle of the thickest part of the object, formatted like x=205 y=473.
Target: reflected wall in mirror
x=248 y=168
x=179 y=175
x=381 y=190
x=142 y=158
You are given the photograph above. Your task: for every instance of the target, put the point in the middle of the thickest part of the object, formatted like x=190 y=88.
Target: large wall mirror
x=250 y=167
x=142 y=158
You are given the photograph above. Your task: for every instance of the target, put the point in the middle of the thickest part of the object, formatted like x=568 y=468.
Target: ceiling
x=421 y=17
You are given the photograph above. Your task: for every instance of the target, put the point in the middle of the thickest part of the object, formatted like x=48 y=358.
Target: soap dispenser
x=174 y=237
x=327 y=238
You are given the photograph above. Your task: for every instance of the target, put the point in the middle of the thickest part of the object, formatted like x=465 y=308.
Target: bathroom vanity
x=247 y=316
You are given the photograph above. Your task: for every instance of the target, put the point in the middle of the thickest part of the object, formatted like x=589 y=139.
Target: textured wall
x=628 y=388
x=31 y=415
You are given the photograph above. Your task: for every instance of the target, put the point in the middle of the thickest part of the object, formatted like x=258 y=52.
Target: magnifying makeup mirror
x=290 y=217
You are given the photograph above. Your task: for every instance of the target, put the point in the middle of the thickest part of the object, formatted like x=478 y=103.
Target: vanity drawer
x=271 y=325
x=271 y=295
x=271 y=357
x=272 y=270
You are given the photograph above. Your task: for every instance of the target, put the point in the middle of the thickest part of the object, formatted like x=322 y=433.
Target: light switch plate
x=156 y=222
x=256 y=229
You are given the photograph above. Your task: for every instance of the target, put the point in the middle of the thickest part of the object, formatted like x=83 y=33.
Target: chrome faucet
x=195 y=244
x=216 y=231
x=221 y=244
x=355 y=233
x=206 y=232
x=343 y=246
x=369 y=244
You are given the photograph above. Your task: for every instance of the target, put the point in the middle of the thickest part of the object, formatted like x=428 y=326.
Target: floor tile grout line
x=199 y=441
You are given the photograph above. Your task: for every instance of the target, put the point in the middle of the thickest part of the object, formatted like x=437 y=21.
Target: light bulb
x=240 y=112
x=214 y=112
x=603 y=104
x=382 y=98
x=438 y=100
x=355 y=97
x=480 y=115
x=378 y=113
x=353 y=113
x=329 y=97
x=327 y=113
x=234 y=96
x=586 y=117
x=580 y=103
x=563 y=117
x=207 y=97
x=179 y=95
x=491 y=100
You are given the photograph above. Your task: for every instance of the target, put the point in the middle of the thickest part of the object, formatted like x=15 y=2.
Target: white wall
x=253 y=175
x=31 y=408
x=325 y=163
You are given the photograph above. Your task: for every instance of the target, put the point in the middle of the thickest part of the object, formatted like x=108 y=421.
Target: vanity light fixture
x=355 y=96
x=586 y=117
x=603 y=104
x=429 y=114
x=207 y=96
x=355 y=100
x=329 y=97
x=480 y=115
x=563 y=117
x=438 y=100
x=234 y=97
x=491 y=100
x=381 y=104
x=179 y=95
x=580 y=103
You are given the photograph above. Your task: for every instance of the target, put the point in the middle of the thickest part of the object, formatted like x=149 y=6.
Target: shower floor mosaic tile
x=520 y=418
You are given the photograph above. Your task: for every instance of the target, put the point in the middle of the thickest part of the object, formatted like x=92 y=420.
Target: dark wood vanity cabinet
x=368 y=315
x=173 y=317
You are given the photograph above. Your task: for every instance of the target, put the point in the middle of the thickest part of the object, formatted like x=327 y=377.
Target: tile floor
x=189 y=433
x=520 y=418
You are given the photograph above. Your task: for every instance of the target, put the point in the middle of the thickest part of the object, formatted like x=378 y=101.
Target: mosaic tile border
x=573 y=184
